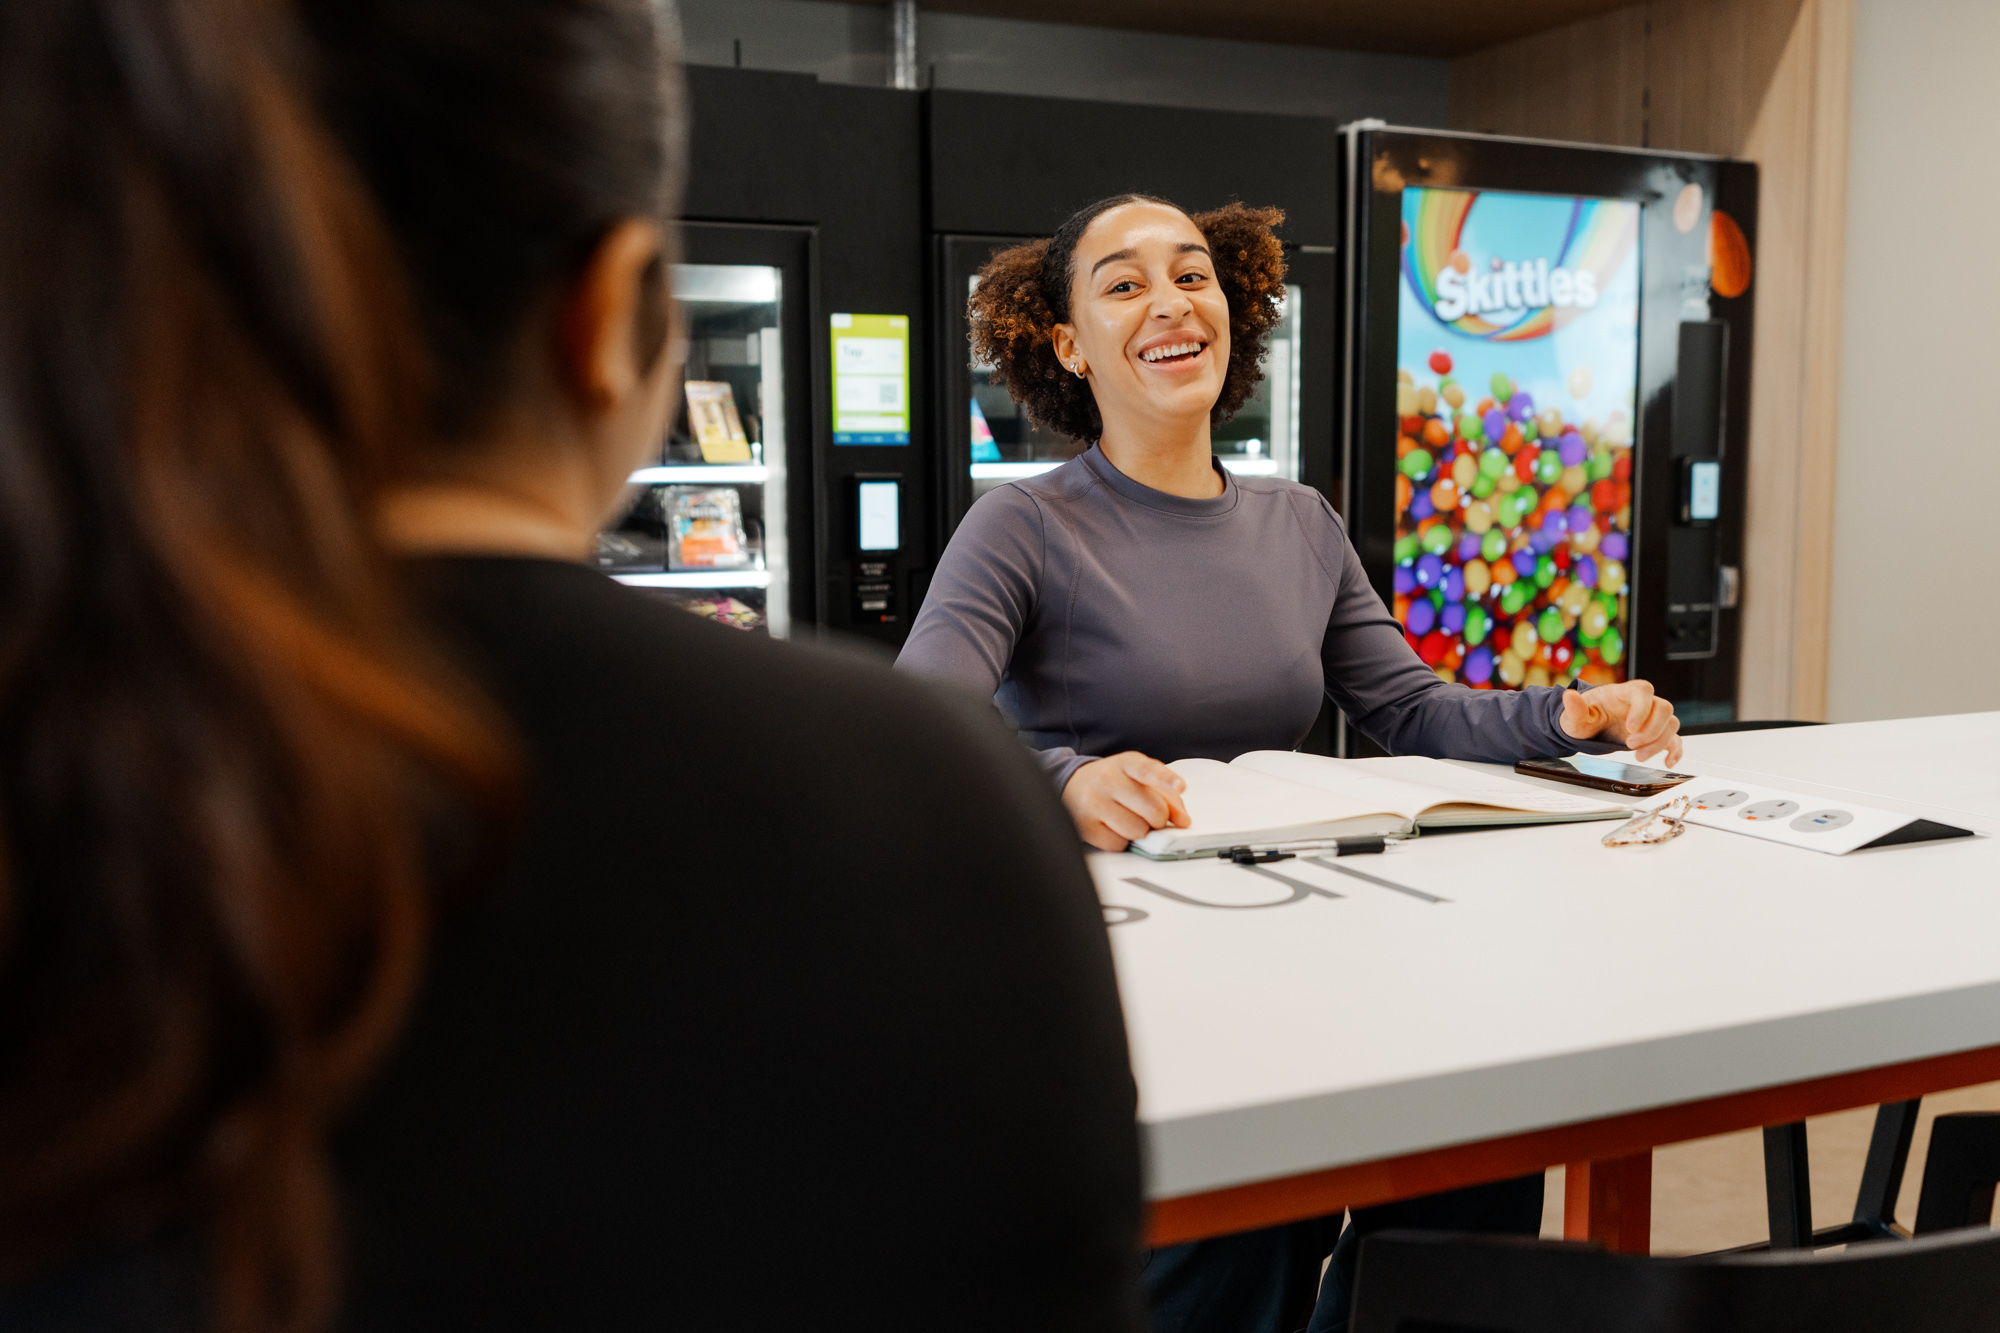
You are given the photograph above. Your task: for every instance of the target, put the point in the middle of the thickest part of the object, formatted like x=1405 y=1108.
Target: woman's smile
x=1174 y=353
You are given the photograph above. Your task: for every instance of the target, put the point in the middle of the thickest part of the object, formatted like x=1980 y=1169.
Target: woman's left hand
x=1629 y=713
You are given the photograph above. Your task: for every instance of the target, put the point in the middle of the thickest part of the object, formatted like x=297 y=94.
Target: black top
x=795 y=1009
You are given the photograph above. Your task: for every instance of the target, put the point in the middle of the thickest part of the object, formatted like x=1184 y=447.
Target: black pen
x=1249 y=855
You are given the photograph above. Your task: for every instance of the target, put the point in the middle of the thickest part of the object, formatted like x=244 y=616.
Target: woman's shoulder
x=1009 y=522
x=529 y=622
x=1027 y=499
x=1065 y=481
x=1306 y=502
x=576 y=659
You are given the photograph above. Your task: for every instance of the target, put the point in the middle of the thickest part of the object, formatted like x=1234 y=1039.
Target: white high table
x=1320 y=1041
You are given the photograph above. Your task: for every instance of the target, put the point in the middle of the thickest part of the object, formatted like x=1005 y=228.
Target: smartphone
x=1603 y=774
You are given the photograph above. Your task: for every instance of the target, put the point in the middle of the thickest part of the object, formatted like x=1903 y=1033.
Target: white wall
x=1916 y=600
x=849 y=43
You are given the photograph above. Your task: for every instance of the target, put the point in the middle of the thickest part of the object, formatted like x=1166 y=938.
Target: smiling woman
x=1140 y=604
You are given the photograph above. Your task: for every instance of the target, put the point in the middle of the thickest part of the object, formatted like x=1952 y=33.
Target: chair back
x=1427 y=1282
x=1960 y=1171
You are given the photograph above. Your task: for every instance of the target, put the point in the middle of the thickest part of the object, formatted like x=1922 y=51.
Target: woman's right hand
x=1127 y=796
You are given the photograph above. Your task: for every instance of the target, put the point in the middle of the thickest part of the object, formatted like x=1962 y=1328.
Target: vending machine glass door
x=1262 y=439
x=715 y=524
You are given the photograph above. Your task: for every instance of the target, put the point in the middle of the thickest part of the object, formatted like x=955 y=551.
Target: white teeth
x=1176 y=349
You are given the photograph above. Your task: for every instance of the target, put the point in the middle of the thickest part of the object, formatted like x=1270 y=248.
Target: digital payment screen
x=881 y=514
x=1517 y=355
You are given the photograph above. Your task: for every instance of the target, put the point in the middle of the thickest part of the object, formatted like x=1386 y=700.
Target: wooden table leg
x=1611 y=1202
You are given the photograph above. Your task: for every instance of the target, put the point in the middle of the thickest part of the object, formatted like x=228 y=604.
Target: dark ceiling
x=1410 y=27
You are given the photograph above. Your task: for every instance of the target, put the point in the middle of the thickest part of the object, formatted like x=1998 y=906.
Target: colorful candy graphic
x=1525 y=587
x=1513 y=487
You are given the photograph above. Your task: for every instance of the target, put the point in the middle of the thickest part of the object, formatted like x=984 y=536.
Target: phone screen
x=1612 y=771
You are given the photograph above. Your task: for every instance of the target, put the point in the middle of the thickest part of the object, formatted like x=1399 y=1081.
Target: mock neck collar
x=1139 y=493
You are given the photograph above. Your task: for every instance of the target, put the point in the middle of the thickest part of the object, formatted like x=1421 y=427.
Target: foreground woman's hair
x=233 y=773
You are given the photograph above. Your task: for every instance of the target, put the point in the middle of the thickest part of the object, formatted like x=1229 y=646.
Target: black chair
x=1960 y=1171
x=1788 y=1187
x=1425 y=1282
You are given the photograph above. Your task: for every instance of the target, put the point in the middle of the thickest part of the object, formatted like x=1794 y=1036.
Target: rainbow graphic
x=1597 y=239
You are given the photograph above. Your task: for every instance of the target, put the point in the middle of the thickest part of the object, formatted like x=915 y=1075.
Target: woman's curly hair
x=1023 y=293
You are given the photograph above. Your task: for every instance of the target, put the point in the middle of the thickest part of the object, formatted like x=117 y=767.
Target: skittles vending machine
x=1546 y=409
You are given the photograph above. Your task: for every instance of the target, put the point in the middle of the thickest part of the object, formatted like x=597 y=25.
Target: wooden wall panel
x=1800 y=137
x=1778 y=361
x=1712 y=66
x=1819 y=422
x=1765 y=80
x=1577 y=82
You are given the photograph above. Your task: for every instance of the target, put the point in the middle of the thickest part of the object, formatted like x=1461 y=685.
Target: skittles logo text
x=1509 y=288
x=1506 y=300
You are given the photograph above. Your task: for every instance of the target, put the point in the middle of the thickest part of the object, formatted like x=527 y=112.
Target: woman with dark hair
x=385 y=939
x=1140 y=604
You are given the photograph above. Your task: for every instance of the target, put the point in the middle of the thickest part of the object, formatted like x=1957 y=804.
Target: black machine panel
x=1700 y=446
x=1679 y=531
x=1008 y=165
x=845 y=166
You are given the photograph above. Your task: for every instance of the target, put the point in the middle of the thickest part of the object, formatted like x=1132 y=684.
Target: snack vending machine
x=720 y=514
x=1546 y=407
x=791 y=493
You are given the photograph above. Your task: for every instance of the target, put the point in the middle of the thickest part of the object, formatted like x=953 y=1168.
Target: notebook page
x=1227 y=799
x=1373 y=792
x=1448 y=782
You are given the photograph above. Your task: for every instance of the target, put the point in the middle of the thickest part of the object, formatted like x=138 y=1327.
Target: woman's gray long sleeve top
x=1102 y=615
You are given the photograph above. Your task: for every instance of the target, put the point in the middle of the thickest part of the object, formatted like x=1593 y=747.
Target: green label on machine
x=871 y=379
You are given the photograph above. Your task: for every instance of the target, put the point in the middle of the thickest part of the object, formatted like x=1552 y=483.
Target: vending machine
x=1545 y=407
x=792 y=493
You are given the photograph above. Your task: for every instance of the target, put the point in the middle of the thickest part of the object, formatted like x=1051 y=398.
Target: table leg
x=1611 y=1202
x=1788 y=1186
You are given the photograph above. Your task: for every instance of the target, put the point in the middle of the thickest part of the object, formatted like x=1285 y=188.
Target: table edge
x=1264 y=1203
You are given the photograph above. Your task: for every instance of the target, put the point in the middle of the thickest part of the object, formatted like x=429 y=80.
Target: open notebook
x=1272 y=797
